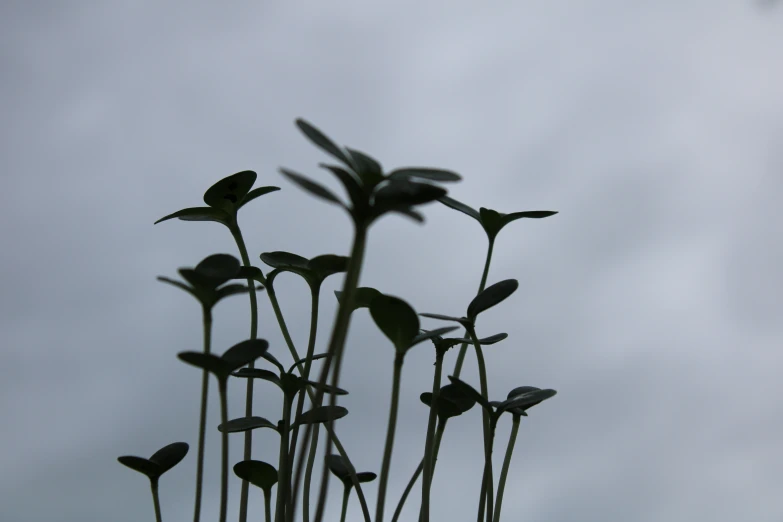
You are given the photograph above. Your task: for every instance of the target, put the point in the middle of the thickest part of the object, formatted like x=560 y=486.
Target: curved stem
x=282 y=471
x=309 y=474
x=156 y=499
x=314 y=302
x=419 y=469
x=346 y=494
x=202 y=426
x=335 y=351
x=487 y=486
x=392 y=425
x=248 y=448
x=429 y=441
x=464 y=348
x=222 y=384
x=270 y=290
x=506 y=464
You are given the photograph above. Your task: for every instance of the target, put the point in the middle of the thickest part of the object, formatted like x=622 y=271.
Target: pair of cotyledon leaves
x=159 y=463
x=399 y=322
x=517 y=402
x=207 y=281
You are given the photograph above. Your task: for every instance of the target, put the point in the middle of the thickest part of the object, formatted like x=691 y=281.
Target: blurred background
x=651 y=302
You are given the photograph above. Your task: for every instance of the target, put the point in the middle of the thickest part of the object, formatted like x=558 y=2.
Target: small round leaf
x=258 y=473
x=491 y=296
x=321 y=414
x=396 y=319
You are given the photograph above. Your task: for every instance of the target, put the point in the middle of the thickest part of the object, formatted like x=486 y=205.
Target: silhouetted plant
x=372 y=193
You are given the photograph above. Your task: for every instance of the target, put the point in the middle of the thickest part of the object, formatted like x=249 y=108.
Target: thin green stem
x=156 y=499
x=346 y=495
x=309 y=474
x=202 y=426
x=314 y=302
x=512 y=438
x=464 y=348
x=248 y=448
x=430 y=440
x=270 y=290
x=267 y=506
x=222 y=385
x=487 y=486
x=335 y=351
x=419 y=469
x=282 y=471
x=392 y=425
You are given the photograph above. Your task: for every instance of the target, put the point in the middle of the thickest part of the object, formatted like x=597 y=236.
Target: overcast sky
x=652 y=302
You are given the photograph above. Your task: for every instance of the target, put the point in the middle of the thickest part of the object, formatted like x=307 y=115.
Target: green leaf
x=362 y=297
x=465 y=401
x=396 y=319
x=178 y=284
x=464 y=321
x=424 y=173
x=468 y=390
x=143 y=466
x=256 y=193
x=243 y=353
x=250 y=272
x=303 y=360
x=161 y=461
x=246 y=424
x=444 y=407
x=408 y=212
x=322 y=141
x=491 y=220
x=328 y=388
x=405 y=193
x=198 y=280
x=284 y=260
x=365 y=476
x=312 y=187
x=491 y=296
x=228 y=193
x=258 y=373
x=235 y=289
x=534 y=214
x=271 y=358
x=462 y=207
x=291 y=384
x=258 y=473
x=432 y=334
x=169 y=456
x=321 y=414
x=367 y=167
x=198 y=214
x=340 y=468
x=521 y=402
x=352 y=186
x=219 y=267
x=205 y=361
x=328 y=264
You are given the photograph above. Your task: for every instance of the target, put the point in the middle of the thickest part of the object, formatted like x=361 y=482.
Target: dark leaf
x=468 y=390
x=205 y=361
x=292 y=384
x=245 y=424
x=256 y=193
x=521 y=402
x=284 y=260
x=464 y=321
x=229 y=290
x=406 y=193
x=456 y=205
x=328 y=388
x=424 y=173
x=341 y=468
x=396 y=319
x=258 y=373
x=321 y=414
x=352 y=186
x=144 y=466
x=198 y=214
x=322 y=141
x=312 y=187
x=491 y=221
x=464 y=401
x=416 y=216
x=366 y=476
x=432 y=334
x=367 y=167
x=243 y=353
x=445 y=407
x=328 y=264
x=520 y=391
x=250 y=272
x=534 y=214
x=227 y=194
x=271 y=358
x=258 y=473
x=169 y=456
x=178 y=284
x=491 y=296
x=362 y=297
x=303 y=360
x=219 y=267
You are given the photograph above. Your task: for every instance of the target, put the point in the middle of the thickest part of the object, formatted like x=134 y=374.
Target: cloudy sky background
x=651 y=302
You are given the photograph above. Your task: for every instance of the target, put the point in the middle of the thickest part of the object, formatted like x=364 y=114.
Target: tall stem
x=487 y=486
x=222 y=385
x=335 y=350
x=387 y=452
x=346 y=495
x=464 y=348
x=314 y=302
x=429 y=441
x=248 y=449
x=156 y=499
x=202 y=426
x=506 y=464
x=282 y=472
